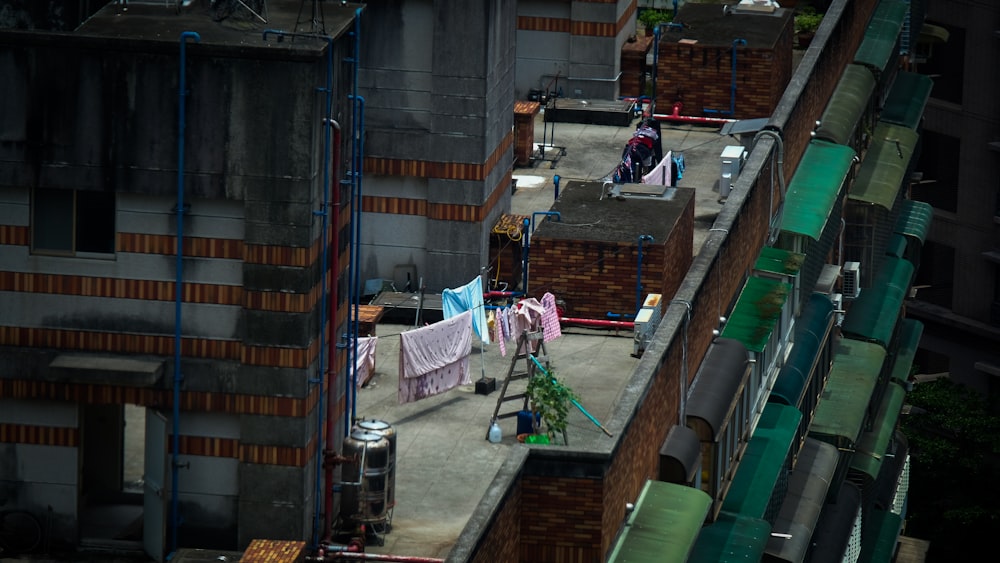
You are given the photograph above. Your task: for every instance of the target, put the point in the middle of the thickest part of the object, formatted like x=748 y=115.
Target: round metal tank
x=384 y=429
x=364 y=491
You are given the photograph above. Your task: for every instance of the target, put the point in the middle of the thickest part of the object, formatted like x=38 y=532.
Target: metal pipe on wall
x=675 y=116
x=732 y=83
x=178 y=287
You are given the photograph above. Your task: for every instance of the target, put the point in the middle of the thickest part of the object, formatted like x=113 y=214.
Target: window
x=934 y=278
x=938 y=165
x=944 y=60
x=72 y=222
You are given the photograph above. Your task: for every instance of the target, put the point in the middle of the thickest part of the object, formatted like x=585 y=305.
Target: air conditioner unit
x=838 y=307
x=646 y=321
x=851 y=281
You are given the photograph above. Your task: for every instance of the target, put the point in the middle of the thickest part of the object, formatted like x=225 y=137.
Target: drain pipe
x=524 y=257
x=597 y=323
x=638 y=275
x=354 y=287
x=178 y=289
x=732 y=83
x=555 y=180
x=774 y=219
x=324 y=213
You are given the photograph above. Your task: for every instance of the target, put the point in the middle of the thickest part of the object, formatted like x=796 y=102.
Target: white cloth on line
x=435 y=358
x=364 y=363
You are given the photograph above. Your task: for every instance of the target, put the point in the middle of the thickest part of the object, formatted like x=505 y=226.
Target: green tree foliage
x=954 y=492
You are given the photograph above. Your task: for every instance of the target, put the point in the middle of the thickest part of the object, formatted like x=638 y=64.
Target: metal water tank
x=383 y=428
x=365 y=479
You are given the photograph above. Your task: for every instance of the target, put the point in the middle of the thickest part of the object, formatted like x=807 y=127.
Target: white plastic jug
x=495 y=434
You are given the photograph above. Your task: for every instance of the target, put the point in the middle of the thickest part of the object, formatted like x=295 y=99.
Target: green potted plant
x=807 y=20
x=550 y=400
x=651 y=18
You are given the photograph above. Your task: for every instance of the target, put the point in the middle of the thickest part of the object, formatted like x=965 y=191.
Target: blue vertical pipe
x=555 y=180
x=638 y=274
x=178 y=288
x=354 y=258
x=525 y=243
x=357 y=228
x=732 y=81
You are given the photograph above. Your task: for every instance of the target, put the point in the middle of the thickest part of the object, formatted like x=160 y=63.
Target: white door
x=154 y=507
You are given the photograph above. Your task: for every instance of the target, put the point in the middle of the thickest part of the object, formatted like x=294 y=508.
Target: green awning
x=814 y=188
x=915 y=219
x=731 y=539
x=873 y=445
x=811 y=329
x=779 y=261
x=907 y=342
x=885 y=165
x=720 y=378
x=896 y=246
x=881 y=532
x=664 y=525
x=756 y=312
x=907 y=99
x=840 y=414
x=847 y=105
x=765 y=458
x=879 y=44
x=873 y=315
x=807 y=489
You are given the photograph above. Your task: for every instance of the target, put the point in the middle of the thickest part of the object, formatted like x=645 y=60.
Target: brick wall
x=594 y=277
x=633 y=64
x=701 y=77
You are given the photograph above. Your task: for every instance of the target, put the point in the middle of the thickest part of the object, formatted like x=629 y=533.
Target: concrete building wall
x=959 y=298
x=439 y=137
x=99 y=112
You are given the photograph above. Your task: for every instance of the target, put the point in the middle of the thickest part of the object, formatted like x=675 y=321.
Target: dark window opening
x=70 y=222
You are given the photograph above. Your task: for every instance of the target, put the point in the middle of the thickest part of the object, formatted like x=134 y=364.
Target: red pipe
x=331 y=369
x=597 y=323
x=362 y=556
x=678 y=118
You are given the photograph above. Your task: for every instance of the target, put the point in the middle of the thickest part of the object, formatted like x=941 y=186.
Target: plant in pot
x=550 y=401
x=807 y=20
x=651 y=18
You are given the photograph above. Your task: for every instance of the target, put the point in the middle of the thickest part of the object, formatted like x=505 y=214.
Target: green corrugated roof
x=731 y=539
x=885 y=165
x=779 y=261
x=846 y=105
x=810 y=334
x=664 y=525
x=873 y=315
x=907 y=99
x=814 y=188
x=840 y=413
x=873 y=445
x=880 y=536
x=896 y=246
x=764 y=460
x=915 y=219
x=879 y=44
x=756 y=312
x=907 y=342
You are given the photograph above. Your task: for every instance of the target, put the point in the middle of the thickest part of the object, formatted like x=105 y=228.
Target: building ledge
x=106 y=370
x=937 y=314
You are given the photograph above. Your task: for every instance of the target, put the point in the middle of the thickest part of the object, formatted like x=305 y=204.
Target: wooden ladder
x=529 y=345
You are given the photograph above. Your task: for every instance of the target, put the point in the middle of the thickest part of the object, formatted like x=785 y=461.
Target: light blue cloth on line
x=469 y=297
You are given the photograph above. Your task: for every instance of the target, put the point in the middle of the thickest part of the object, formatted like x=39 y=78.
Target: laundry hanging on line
x=434 y=359
x=469 y=297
